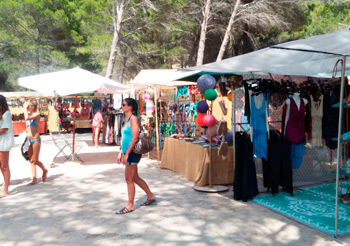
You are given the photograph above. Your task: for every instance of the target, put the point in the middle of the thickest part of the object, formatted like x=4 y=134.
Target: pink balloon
x=209 y=120
x=212 y=131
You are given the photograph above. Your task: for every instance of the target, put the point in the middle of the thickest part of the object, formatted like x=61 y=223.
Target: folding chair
x=61 y=145
x=77 y=148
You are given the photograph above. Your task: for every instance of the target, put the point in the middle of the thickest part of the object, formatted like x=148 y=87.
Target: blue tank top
x=126 y=137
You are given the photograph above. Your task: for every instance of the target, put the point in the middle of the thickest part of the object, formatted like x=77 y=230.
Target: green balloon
x=210 y=94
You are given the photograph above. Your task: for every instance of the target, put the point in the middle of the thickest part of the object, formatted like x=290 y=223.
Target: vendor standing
x=32 y=118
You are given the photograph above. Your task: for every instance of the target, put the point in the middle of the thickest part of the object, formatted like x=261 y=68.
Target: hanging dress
x=295 y=127
x=317 y=114
x=258 y=124
x=295 y=132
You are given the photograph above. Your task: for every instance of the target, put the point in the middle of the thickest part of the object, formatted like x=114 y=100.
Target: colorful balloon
x=209 y=120
x=211 y=131
x=202 y=107
x=229 y=96
x=229 y=138
x=210 y=94
x=206 y=81
x=199 y=119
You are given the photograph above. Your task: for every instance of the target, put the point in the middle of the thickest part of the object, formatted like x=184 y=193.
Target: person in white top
x=7 y=141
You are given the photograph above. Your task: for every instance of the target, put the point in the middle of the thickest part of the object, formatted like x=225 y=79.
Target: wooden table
x=192 y=162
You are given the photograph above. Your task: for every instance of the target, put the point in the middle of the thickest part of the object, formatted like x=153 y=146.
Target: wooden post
x=74 y=114
x=156 y=115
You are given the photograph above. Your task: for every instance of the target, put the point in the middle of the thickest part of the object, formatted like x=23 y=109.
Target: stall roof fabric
x=71 y=81
x=163 y=78
x=314 y=57
x=23 y=94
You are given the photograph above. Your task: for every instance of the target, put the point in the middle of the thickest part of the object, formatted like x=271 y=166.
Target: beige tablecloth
x=192 y=162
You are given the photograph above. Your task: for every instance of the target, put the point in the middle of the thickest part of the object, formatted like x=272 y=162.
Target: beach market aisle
x=77 y=203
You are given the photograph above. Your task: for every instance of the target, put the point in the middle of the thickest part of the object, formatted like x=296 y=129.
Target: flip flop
x=124 y=211
x=149 y=202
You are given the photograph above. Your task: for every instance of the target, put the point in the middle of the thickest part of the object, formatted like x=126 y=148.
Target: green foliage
x=49 y=35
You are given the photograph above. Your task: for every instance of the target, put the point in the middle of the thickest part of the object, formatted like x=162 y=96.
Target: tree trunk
x=117 y=20
x=227 y=33
x=37 y=60
x=193 y=49
x=201 y=47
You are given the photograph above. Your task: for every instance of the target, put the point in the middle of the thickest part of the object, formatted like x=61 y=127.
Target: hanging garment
x=246 y=101
x=277 y=171
x=316 y=114
x=258 y=125
x=297 y=153
x=245 y=185
x=295 y=127
x=330 y=119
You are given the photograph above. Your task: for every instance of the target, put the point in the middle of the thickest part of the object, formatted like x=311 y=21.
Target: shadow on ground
x=79 y=209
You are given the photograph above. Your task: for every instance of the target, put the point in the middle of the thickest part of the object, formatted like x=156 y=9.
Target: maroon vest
x=295 y=128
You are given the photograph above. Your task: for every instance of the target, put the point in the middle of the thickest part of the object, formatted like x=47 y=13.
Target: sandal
x=149 y=202
x=124 y=210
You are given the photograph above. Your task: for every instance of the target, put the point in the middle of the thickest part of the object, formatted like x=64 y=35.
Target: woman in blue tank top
x=130 y=135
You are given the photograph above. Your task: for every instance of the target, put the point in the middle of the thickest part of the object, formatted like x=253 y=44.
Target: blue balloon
x=229 y=138
x=202 y=107
x=206 y=81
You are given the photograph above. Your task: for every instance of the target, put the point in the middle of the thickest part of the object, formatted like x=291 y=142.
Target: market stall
x=177 y=126
x=16 y=100
x=322 y=56
x=70 y=82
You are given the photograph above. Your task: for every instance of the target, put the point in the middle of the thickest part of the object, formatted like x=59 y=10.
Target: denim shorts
x=133 y=158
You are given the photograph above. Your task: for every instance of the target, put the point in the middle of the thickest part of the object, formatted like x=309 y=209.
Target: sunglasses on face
x=124 y=104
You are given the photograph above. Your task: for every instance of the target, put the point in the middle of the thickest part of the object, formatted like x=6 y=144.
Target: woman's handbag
x=144 y=145
x=24 y=149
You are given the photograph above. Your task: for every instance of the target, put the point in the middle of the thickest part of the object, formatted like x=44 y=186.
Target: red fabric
x=141 y=105
x=295 y=129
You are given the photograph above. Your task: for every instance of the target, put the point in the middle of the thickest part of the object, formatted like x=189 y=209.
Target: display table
x=20 y=126
x=192 y=162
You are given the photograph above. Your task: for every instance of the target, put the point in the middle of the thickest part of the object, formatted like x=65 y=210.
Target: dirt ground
x=77 y=205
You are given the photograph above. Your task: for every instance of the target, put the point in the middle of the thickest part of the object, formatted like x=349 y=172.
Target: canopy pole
x=340 y=123
x=74 y=115
x=156 y=114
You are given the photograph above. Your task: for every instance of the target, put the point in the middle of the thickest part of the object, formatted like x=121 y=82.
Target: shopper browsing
x=130 y=134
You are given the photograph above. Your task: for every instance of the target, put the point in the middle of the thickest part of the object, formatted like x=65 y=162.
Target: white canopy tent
x=161 y=78
x=71 y=81
x=23 y=94
x=316 y=56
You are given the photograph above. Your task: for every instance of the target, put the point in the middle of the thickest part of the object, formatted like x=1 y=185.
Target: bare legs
x=33 y=153
x=96 y=136
x=132 y=177
x=5 y=170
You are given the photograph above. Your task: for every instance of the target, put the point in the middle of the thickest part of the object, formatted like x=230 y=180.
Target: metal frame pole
x=340 y=123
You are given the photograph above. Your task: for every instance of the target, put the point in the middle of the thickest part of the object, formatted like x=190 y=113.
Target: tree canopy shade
x=38 y=36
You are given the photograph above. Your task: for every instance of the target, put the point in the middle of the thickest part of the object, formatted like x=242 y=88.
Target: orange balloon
x=229 y=96
x=199 y=119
